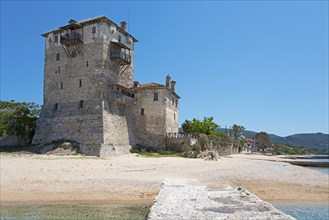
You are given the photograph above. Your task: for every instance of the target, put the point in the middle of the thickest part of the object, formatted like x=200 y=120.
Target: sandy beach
x=134 y=179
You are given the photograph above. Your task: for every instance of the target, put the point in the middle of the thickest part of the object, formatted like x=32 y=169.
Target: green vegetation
x=262 y=141
x=279 y=149
x=237 y=132
x=207 y=126
x=316 y=142
x=19 y=149
x=151 y=152
x=18 y=118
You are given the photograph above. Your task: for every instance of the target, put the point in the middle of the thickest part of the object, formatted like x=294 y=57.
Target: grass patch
x=19 y=149
x=149 y=152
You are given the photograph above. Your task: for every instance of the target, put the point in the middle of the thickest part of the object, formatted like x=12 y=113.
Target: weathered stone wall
x=115 y=128
x=13 y=140
x=160 y=117
x=71 y=122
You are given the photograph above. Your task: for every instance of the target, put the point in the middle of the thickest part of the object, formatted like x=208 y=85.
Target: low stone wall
x=14 y=140
x=188 y=199
x=176 y=142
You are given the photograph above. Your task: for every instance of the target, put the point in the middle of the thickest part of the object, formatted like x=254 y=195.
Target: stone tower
x=90 y=95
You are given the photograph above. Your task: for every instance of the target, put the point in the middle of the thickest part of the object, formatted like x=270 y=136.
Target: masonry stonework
x=90 y=95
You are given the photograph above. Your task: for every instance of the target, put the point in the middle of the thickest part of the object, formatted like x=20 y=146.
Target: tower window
x=55 y=106
x=155 y=96
x=142 y=111
x=59 y=69
x=61 y=85
x=81 y=104
x=119 y=38
x=93 y=30
x=174 y=116
x=58 y=56
x=87 y=63
x=56 y=38
x=80 y=83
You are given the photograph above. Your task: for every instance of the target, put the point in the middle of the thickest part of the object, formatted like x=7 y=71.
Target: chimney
x=173 y=83
x=123 y=25
x=168 y=78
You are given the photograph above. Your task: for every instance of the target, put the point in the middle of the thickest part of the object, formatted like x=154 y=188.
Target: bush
x=135 y=150
x=185 y=148
x=166 y=152
x=204 y=141
x=197 y=147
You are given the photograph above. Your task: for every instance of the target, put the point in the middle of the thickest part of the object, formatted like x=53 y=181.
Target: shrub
x=134 y=150
x=197 y=147
x=204 y=141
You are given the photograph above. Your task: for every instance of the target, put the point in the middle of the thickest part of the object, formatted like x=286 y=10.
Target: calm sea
x=307 y=211
x=324 y=170
x=304 y=211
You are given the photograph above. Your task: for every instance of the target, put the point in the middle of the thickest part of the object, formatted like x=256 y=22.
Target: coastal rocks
x=188 y=199
x=212 y=155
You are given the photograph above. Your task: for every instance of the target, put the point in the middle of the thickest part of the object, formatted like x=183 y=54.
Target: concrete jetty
x=188 y=199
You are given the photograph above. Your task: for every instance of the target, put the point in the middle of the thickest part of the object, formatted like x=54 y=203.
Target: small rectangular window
x=173 y=101
x=176 y=102
x=133 y=95
x=93 y=30
x=87 y=63
x=73 y=54
x=56 y=106
x=80 y=83
x=142 y=111
x=58 y=56
x=61 y=85
x=59 y=69
x=155 y=96
x=174 y=116
x=81 y=104
x=56 y=38
x=119 y=38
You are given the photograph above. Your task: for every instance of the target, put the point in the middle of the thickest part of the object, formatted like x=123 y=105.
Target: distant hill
x=316 y=141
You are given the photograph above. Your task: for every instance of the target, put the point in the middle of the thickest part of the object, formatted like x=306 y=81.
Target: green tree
x=186 y=126
x=262 y=140
x=18 y=118
x=204 y=141
x=237 y=131
x=207 y=126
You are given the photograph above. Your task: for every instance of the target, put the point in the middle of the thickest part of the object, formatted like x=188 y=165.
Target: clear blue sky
x=263 y=65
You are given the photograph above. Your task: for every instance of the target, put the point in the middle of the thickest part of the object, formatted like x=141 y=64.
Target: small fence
x=181 y=135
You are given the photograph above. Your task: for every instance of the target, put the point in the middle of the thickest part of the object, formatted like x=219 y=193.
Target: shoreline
x=133 y=180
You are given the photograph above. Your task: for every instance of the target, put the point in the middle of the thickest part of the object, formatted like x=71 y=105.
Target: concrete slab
x=188 y=199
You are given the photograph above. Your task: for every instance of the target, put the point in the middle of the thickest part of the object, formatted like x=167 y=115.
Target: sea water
x=305 y=211
x=324 y=170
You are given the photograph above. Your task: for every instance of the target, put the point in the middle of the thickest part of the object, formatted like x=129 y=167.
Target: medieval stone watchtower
x=90 y=95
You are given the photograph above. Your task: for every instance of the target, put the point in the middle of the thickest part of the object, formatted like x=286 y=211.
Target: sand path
x=131 y=178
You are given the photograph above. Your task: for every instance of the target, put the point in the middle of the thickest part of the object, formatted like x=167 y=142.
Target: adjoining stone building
x=90 y=95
